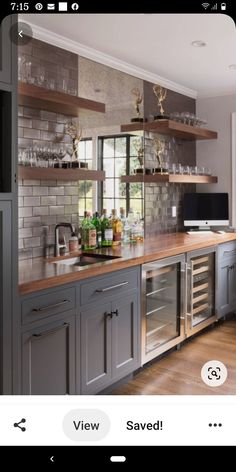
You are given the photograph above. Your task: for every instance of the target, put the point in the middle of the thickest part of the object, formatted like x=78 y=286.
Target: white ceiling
x=159 y=44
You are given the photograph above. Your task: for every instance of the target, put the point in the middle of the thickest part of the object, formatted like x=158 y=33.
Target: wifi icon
x=205 y=5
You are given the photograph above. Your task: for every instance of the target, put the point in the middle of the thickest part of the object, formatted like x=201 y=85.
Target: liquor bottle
x=117 y=228
x=97 y=223
x=88 y=236
x=107 y=230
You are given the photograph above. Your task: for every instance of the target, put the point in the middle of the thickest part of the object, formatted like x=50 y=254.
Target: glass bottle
x=107 y=230
x=88 y=233
x=117 y=228
x=97 y=223
x=123 y=221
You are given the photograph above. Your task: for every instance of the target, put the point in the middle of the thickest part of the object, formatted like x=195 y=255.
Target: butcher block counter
x=40 y=273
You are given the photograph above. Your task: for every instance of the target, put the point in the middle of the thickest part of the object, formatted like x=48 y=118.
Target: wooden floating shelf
x=172 y=128
x=37 y=173
x=172 y=178
x=39 y=97
x=132 y=127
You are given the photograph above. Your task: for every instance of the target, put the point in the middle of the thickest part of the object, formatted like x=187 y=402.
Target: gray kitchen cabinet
x=95 y=348
x=48 y=357
x=109 y=342
x=5 y=297
x=5 y=50
x=110 y=328
x=226 y=279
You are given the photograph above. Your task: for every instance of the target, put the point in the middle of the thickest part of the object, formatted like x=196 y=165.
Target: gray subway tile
x=32 y=221
x=21 y=244
x=40 y=190
x=40 y=211
x=56 y=210
x=56 y=190
x=30 y=183
x=48 y=115
x=40 y=124
x=31 y=242
x=24 y=191
x=49 y=220
x=25 y=233
x=50 y=200
x=63 y=200
x=38 y=252
x=31 y=201
x=24 y=212
x=31 y=133
x=20 y=201
x=71 y=191
x=48 y=183
x=70 y=209
x=25 y=254
x=25 y=122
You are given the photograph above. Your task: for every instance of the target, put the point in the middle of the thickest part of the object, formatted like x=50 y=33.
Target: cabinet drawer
x=51 y=303
x=114 y=284
x=227 y=250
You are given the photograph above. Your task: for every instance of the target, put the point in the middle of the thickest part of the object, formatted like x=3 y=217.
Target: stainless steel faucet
x=58 y=246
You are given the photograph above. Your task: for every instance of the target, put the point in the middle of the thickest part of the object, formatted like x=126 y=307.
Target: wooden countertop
x=38 y=273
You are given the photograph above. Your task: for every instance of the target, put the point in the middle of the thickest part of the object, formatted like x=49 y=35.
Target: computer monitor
x=206 y=209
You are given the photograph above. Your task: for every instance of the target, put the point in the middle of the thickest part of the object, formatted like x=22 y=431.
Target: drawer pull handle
x=110 y=315
x=106 y=289
x=50 y=331
x=49 y=307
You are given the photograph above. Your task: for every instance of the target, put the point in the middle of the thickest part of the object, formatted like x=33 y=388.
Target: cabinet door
x=5 y=50
x=224 y=288
x=125 y=336
x=95 y=348
x=200 y=289
x=5 y=297
x=48 y=358
x=232 y=284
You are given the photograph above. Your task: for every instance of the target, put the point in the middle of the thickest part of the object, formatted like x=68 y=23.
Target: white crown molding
x=215 y=93
x=60 y=41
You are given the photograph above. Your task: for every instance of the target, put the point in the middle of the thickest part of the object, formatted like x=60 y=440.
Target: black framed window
x=118 y=156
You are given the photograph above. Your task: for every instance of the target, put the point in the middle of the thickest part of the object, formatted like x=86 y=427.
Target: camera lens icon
x=214 y=373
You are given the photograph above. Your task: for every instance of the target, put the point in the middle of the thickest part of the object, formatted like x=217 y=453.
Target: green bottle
x=98 y=225
x=88 y=233
x=107 y=230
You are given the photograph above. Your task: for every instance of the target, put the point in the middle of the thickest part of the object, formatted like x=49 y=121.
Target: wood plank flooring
x=179 y=373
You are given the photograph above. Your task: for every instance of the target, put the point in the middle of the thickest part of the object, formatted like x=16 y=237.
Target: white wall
x=216 y=154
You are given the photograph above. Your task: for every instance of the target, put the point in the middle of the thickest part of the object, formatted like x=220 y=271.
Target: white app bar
x=118 y=420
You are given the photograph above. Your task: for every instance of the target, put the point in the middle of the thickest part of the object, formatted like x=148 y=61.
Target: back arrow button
x=52 y=458
x=21 y=33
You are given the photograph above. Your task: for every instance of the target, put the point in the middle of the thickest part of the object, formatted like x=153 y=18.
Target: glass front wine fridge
x=163 y=317
x=200 y=289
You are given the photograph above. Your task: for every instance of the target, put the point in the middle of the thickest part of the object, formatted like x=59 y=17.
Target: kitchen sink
x=85 y=259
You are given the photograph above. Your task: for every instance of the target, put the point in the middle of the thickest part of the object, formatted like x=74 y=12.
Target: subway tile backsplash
x=44 y=203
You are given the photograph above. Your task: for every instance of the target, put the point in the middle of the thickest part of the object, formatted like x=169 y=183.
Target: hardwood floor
x=179 y=373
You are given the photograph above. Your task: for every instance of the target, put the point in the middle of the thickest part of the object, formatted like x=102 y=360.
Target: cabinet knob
x=108 y=315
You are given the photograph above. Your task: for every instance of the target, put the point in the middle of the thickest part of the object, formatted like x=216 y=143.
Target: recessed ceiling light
x=198 y=44
x=232 y=67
